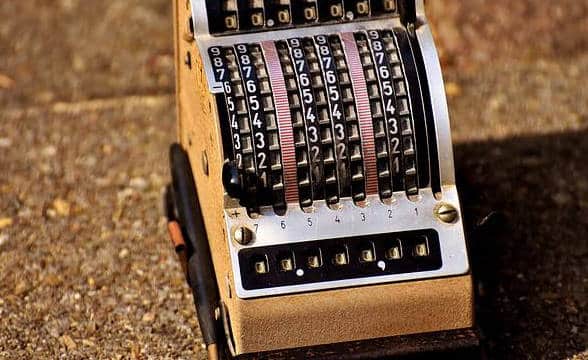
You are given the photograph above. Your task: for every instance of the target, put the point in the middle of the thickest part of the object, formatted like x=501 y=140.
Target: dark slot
x=383 y=7
x=225 y=127
x=433 y=151
x=341 y=259
x=359 y=8
x=304 y=11
x=331 y=10
x=277 y=15
x=215 y=16
x=407 y=9
x=418 y=110
x=250 y=18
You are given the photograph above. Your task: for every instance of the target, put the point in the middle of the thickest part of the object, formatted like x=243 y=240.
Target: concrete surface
x=86 y=115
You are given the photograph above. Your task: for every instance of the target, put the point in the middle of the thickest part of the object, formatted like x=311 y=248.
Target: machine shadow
x=525 y=202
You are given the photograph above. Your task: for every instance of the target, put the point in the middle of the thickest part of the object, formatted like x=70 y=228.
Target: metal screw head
x=447 y=213
x=243 y=235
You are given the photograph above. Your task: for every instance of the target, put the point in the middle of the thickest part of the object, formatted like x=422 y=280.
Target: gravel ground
x=87 y=113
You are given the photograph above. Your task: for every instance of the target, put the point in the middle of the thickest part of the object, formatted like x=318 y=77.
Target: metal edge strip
x=403 y=215
x=439 y=105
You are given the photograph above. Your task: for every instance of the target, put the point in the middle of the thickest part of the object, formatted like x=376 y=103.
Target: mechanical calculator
x=313 y=204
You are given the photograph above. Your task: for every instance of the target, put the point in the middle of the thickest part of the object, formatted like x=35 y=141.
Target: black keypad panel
x=340 y=259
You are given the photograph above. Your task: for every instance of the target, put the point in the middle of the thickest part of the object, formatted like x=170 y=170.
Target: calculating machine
x=313 y=203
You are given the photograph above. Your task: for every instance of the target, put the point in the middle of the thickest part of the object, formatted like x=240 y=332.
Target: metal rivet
x=447 y=213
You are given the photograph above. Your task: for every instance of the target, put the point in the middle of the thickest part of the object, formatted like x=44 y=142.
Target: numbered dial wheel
x=323 y=118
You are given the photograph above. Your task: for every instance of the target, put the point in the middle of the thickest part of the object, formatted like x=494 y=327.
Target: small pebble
x=69 y=342
x=452 y=89
x=138 y=183
x=5 y=222
x=123 y=253
x=148 y=317
x=88 y=343
x=20 y=288
x=62 y=207
x=3 y=239
x=49 y=151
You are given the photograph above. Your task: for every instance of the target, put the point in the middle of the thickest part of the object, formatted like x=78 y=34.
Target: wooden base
x=455 y=344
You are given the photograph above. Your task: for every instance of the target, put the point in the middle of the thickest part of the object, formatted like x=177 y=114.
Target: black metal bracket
x=407 y=9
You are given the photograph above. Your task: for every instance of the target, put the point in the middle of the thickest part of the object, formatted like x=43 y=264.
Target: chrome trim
x=204 y=41
x=438 y=103
x=404 y=218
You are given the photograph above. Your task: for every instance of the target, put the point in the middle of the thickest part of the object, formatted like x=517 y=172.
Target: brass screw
x=447 y=213
x=243 y=235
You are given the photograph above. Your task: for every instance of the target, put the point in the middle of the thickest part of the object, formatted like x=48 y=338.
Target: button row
x=230 y=16
x=339 y=259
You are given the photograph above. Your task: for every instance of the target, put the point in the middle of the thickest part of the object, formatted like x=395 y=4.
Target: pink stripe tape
x=284 y=120
x=364 y=113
